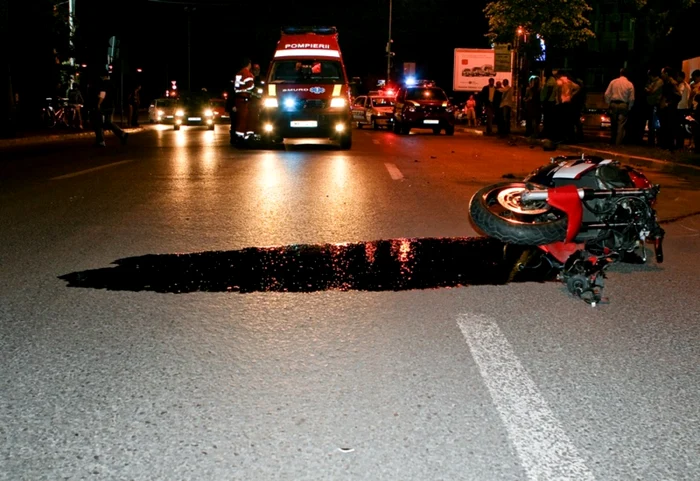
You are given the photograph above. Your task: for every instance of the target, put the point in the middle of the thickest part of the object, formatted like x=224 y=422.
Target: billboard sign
x=473 y=67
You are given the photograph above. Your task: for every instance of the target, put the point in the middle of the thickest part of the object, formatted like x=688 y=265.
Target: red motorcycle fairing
x=561 y=251
x=567 y=200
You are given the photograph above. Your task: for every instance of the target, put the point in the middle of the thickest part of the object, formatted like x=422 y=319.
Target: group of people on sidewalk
x=672 y=104
x=498 y=103
x=552 y=111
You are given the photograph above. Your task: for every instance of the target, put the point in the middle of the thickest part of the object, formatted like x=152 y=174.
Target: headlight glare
x=338 y=102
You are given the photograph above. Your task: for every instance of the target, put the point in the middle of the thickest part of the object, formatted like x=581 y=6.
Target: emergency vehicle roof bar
x=300 y=30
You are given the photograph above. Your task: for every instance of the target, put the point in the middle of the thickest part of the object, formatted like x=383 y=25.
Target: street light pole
x=189 y=47
x=388 y=49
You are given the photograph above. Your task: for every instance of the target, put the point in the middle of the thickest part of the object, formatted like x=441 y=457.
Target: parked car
x=375 y=110
x=595 y=119
x=423 y=105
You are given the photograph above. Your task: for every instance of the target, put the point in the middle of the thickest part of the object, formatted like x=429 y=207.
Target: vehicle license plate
x=194 y=118
x=304 y=123
x=431 y=121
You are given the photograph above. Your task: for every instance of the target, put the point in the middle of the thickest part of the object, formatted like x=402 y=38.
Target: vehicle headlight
x=208 y=113
x=338 y=102
x=270 y=102
x=180 y=113
x=411 y=109
x=160 y=112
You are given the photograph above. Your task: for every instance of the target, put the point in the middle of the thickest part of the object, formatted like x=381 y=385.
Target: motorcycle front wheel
x=498 y=212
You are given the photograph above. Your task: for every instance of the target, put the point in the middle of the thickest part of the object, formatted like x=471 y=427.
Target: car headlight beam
x=338 y=102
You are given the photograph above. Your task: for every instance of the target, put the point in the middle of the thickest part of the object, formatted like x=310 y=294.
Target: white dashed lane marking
x=544 y=448
x=394 y=171
x=87 y=171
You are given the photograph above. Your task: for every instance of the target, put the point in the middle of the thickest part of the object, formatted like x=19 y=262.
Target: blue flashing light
x=309 y=29
x=289 y=103
x=410 y=80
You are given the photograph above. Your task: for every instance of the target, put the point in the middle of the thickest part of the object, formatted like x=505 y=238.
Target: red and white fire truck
x=307 y=94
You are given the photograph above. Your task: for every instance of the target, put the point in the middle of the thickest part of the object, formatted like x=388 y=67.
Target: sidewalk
x=41 y=136
x=640 y=155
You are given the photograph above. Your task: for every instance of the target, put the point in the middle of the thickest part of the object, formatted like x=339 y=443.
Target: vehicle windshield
x=195 y=101
x=382 y=102
x=165 y=103
x=307 y=71
x=426 y=94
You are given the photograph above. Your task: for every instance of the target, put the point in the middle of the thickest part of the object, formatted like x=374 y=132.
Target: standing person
x=255 y=101
x=694 y=103
x=564 y=109
x=533 y=107
x=620 y=98
x=653 y=91
x=506 y=107
x=548 y=99
x=470 y=111
x=104 y=109
x=490 y=99
x=683 y=108
x=76 y=101
x=134 y=104
x=668 y=109
x=244 y=85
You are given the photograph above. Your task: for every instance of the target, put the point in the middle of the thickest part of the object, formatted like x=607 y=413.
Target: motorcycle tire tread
x=518 y=234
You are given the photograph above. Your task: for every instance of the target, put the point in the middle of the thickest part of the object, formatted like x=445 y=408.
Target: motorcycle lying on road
x=583 y=213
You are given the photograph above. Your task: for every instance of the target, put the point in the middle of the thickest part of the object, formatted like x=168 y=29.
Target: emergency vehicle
x=306 y=92
x=375 y=109
x=421 y=104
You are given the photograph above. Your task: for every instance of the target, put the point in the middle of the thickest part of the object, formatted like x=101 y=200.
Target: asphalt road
x=117 y=379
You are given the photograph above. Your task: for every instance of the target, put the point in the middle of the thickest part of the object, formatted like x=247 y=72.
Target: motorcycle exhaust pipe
x=583 y=194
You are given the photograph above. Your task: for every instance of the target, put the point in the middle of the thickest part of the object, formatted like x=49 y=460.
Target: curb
x=44 y=139
x=664 y=166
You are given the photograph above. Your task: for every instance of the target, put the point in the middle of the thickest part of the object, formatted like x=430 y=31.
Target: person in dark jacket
x=104 y=109
x=491 y=100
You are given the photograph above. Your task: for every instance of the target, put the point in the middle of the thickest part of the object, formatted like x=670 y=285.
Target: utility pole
x=189 y=10
x=71 y=25
x=388 y=49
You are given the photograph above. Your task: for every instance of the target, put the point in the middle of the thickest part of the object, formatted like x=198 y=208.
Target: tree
x=657 y=21
x=561 y=23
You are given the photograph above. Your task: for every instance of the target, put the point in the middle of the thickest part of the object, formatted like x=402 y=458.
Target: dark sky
x=155 y=34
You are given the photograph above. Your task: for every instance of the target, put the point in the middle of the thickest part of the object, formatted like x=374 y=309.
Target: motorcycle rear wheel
x=497 y=212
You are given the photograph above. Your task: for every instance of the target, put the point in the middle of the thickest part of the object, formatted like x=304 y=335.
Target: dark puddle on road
x=384 y=265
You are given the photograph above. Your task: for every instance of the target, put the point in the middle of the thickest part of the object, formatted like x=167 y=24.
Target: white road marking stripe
x=544 y=448
x=394 y=171
x=87 y=171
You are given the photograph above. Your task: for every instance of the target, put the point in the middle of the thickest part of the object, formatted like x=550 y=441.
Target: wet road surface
x=393 y=369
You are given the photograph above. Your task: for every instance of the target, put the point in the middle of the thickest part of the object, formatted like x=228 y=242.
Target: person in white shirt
x=683 y=108
x=620 y=98
x=507 y=105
